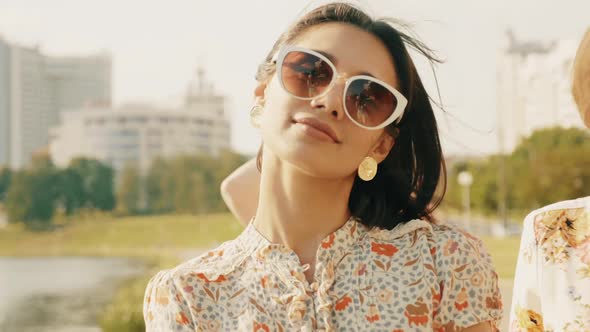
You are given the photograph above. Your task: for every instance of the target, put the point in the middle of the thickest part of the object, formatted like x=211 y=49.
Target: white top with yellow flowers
x=552 y=282
x=416 y=277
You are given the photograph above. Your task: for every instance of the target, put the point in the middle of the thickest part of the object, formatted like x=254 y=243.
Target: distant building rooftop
x=525 y=48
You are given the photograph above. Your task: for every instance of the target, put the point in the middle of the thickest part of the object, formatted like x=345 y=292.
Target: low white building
x=138 y=134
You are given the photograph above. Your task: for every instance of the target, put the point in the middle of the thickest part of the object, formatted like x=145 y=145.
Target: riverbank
x=159 y=242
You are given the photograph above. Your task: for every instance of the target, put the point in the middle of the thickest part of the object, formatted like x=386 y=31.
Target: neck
x=298 y=210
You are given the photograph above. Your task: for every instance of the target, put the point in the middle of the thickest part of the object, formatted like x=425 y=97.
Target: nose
x=331 y=101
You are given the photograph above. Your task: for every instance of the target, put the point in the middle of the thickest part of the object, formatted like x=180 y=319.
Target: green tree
x=189 y=184
x=549 y=166
x=189 y=180
x=555 y=175
x=72 y=194
x=129 y=191
x=553 y=164
x=97 y=183
x=550 y=139
x=19 y=200
x=227 y=162
x=160 y=187
x=5 y=176
x=33 y=194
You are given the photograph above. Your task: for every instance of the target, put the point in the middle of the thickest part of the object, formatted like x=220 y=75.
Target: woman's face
x=354 y=52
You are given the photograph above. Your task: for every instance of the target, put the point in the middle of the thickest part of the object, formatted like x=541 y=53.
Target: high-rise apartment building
x=35 y=88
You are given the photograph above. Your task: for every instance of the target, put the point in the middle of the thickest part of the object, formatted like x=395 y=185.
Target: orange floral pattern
x=260 y=327
x=373 y=314
x=218 y=279
x=383 y=249
x=326 y=244
x=418 y=276
x=552 y=280
x=418 y=314
x=462 y=301
x=343 y=303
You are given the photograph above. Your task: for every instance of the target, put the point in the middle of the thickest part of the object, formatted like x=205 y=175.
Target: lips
x=319 y=125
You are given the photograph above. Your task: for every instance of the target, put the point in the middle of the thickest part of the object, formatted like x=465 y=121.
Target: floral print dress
x=416 y=277
x=552 y=281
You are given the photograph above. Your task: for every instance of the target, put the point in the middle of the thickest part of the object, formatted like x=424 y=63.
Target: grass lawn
x=504 y=253
x=147 y=236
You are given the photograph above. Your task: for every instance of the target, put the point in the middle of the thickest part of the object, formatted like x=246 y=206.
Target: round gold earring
x=255 y=113
x=367 y=169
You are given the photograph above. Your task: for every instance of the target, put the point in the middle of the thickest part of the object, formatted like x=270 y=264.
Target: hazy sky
x=157 y=45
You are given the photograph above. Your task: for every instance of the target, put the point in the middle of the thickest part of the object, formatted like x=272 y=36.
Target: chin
x=305 y=154
x=316 y=163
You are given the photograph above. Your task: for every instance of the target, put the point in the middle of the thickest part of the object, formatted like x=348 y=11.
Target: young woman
x=343 y=237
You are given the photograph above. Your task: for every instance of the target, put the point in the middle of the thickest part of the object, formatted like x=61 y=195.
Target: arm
x=240 y=191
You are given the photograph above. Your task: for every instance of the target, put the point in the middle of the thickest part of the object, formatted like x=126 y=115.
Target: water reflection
x=58 y=294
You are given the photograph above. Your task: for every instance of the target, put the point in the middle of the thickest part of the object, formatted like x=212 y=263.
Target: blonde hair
x=581 y=79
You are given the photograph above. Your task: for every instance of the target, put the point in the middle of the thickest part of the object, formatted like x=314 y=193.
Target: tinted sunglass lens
x=369 y=103
x=305 y=75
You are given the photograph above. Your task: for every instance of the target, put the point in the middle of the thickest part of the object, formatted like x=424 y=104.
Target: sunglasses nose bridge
x=341 y=76
x=332 y=97
x=333 y=87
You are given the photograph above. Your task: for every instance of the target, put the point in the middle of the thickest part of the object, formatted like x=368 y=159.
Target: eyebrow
x=335 y=61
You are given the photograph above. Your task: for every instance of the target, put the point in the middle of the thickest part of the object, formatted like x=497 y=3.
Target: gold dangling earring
x=367 y=169
x=255 y=113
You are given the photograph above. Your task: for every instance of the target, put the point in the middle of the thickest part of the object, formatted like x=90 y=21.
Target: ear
x=382 y=147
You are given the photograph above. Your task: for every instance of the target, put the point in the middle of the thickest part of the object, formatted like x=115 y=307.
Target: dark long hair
x=406 y=183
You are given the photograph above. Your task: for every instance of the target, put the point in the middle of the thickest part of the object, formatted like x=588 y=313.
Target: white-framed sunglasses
x=369 y=102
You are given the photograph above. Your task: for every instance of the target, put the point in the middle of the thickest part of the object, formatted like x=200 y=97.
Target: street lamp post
x=465 y=180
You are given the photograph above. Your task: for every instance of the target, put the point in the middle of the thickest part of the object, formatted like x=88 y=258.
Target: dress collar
x=344 y=237
x=339 y=241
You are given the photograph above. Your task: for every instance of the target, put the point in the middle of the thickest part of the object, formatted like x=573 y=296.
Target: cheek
x=361 y=139
x=358 y=145
x=275 y=119
x=277 y=107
